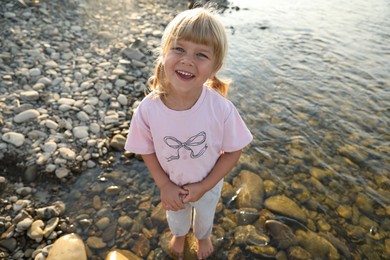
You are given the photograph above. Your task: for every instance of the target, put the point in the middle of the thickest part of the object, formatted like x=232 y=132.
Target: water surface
x=317 y=72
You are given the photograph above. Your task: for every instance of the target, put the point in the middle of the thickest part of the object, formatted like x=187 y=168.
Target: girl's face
x=188 y=65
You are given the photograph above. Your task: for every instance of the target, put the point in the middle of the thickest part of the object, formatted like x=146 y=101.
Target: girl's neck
x=181 y=101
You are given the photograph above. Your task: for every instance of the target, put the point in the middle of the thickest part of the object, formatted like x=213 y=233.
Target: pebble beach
x=71 y=74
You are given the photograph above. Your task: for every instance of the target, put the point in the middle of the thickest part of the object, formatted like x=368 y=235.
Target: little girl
x=189 y=135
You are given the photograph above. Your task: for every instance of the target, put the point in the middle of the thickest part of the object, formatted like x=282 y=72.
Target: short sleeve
x=139 y=139
x=236 y=133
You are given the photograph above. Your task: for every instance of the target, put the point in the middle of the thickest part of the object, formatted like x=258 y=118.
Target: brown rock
x=317 y=246
x=141 y=246
x=250 y=190
x=282 y=205
x=122 y=255
x=118 y=142
x=281 y=233
x=159 y=217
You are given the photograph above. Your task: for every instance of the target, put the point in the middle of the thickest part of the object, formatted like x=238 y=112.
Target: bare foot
x=205 y=248
x=176 y=246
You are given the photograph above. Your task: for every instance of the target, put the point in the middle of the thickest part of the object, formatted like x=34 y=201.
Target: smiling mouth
x=184 y=74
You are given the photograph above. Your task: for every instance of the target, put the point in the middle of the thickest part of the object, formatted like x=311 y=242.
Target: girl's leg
x=204 y=211
x=179 y=223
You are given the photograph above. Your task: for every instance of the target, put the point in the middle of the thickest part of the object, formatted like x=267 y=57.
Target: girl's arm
x=223 y=166
x=170 y=193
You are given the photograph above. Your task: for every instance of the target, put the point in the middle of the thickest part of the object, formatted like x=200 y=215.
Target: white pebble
x=122 y=99
x=62 y=172
x=26 y=115
x=35 y=72
x=67 y=153
x=50 y=147
x=80 y=132
x=13 y=138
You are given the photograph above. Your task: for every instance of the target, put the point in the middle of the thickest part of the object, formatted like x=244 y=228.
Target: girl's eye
x=178 y=49
x=202 y=55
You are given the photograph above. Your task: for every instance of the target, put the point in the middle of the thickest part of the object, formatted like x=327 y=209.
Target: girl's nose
x=186 y=61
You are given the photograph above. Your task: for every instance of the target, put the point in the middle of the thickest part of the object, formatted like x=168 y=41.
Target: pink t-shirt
x=187 y=143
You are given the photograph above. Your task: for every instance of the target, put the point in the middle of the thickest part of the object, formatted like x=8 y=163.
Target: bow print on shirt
x=195 y=140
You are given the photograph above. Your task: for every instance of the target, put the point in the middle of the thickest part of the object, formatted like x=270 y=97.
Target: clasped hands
x=173 y=197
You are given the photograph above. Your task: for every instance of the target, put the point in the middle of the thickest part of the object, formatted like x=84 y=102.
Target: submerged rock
x=282 y=205
x=317 y=246
x=263 y=251
x=250 y=190
x=249 y=235
x=281 y=233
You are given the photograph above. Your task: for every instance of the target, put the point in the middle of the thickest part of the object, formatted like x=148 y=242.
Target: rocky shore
x=69 y=78
x=71 y=73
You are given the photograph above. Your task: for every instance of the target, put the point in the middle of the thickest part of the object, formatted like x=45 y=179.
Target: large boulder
x=67 y=247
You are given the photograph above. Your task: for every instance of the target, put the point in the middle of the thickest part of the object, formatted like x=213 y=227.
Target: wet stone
x=246 y=216
x=227 y=192
x=112 y=190
x=109 y=233
x=344 y=211
x=97 y=202
x=285 y=206
x=103 y=223
x=125 y=222
x=297 y=252
x=262 y=251
x=141 y=247
x=281 y=234
x=364 y=203
x=249 y=235
x=316 y=245
x=250 y=190
x=96 y=242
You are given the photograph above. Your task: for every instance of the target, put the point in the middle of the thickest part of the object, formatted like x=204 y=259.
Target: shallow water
x=312 y=81
x=317 y=73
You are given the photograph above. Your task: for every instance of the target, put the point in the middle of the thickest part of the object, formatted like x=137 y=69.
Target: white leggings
x=200 y=212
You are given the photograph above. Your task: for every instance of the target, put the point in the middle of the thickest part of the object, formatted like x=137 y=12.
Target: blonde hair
x=200 y=26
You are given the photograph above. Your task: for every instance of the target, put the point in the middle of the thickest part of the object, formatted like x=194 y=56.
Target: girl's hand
x=195 y=192
x=171 y=196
